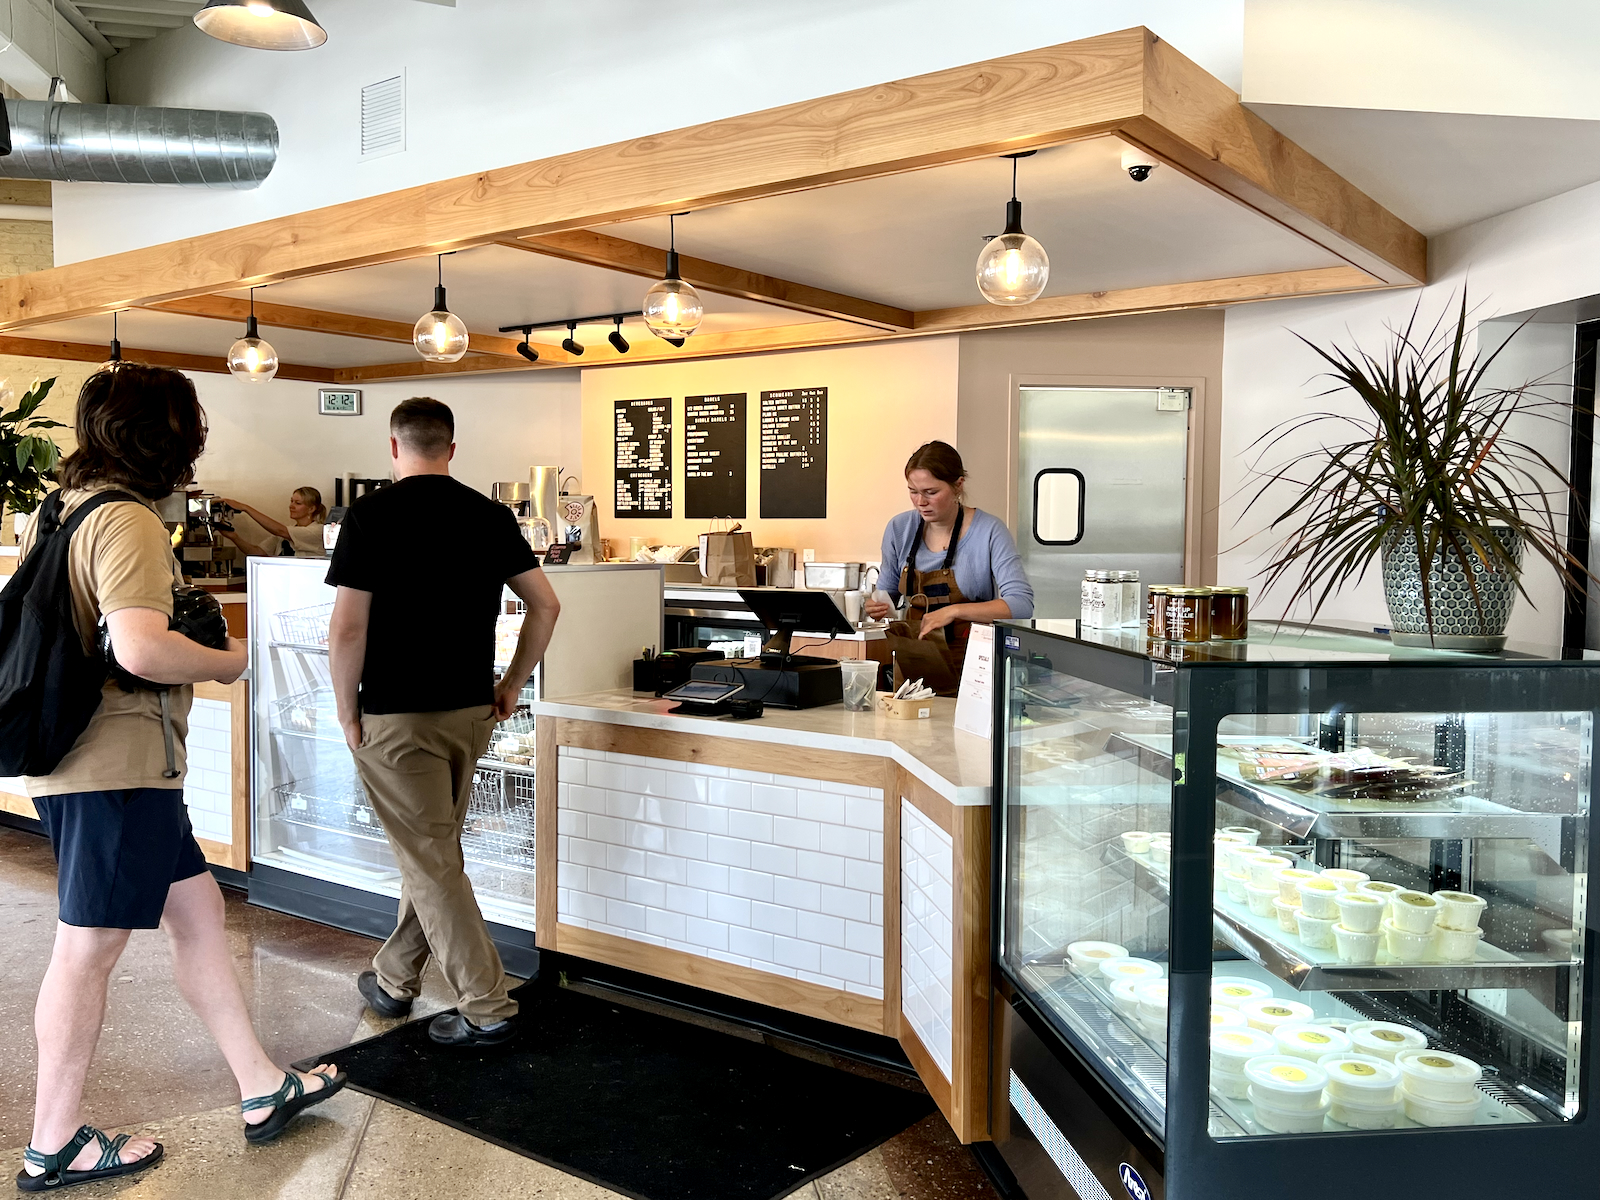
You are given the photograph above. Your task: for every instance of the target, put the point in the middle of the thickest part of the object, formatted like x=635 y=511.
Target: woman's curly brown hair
x=138 y=427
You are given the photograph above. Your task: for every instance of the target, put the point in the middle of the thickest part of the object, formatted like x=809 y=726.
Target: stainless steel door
x=1107 y=468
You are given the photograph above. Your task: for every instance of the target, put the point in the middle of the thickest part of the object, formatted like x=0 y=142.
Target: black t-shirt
x=435 y=555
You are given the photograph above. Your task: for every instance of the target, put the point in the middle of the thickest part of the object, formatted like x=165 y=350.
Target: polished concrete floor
x=157 y=1072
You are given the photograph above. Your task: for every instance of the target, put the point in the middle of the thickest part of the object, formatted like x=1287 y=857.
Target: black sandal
x=287 y=1102
x=55 y=1165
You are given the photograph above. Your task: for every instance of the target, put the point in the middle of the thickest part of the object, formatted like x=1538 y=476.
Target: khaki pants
x=417 y=769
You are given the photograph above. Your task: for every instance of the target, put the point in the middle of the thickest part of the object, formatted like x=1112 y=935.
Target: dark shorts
x=118 y=853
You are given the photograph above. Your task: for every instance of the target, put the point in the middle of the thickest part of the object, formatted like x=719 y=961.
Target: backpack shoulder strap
x=81 y=513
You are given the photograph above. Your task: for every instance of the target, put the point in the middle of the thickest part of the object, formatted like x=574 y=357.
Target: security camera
x=1138 y=164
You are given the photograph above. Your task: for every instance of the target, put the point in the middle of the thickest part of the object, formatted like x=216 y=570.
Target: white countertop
x=953 y=763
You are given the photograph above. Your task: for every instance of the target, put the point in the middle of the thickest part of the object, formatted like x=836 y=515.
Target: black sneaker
x=378 y=1000
x=452 y=1029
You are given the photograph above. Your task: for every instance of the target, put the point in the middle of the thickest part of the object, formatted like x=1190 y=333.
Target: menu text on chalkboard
x=713 y=456
x=794 y=453
x=644 y=458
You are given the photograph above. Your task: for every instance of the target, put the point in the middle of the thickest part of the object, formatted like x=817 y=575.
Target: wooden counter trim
x=927 y=1070
x=730 y=979
x=970 y=1011
x=19 y=806
x=801 y=762
x=930 y=804
x=546 y=826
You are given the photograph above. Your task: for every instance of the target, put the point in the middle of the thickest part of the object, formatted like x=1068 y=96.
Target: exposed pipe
x=125 y=143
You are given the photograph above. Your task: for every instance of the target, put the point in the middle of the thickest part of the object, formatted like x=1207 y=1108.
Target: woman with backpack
x=112 y=805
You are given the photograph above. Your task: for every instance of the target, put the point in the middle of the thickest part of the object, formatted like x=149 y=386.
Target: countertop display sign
x=644 y=458
x=973 y=702
x=794 y=453
x=714 y=473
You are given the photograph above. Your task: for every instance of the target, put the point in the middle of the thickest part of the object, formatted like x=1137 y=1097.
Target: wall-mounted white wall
x=1543 y=254
x=267 y=439
x=495 y=82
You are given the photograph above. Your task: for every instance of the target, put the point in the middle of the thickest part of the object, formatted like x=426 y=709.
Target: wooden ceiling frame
x=95 y=352
x=1130 y=84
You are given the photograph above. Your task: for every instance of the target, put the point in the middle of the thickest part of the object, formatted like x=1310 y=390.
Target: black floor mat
x=643 y=1104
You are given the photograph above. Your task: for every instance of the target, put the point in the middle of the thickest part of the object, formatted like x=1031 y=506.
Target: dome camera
x=1138 y=164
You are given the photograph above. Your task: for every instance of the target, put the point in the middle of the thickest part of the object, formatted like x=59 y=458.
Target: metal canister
x=1189 y=614
x=1155 y=612
x=1230 y=614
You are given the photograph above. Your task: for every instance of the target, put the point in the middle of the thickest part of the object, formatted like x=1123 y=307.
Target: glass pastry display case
x=1303 y=907
x=319 y=850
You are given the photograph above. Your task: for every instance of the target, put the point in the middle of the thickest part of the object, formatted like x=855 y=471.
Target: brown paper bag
x=728 y=558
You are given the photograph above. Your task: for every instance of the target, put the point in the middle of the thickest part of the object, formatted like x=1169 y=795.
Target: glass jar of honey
x=1230 y=614
x=1155 y=612
x=1189 y=614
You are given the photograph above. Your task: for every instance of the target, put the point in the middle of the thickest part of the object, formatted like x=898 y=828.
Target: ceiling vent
x=383 y=117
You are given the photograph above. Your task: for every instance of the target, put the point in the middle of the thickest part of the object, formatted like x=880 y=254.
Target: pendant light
x=618 y=342
x=672 y=308
x=262 y=24
x=116 y=347
x=1013 y=268
x=439 y=335
x=251 y=358
x=570 y=342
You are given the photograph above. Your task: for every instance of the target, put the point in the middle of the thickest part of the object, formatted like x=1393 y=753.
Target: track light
x=672 y=308
x=527 y=351
x=569 y=343
x=262 y=24
x=439 y=335
x=1013 y=268
x=616 y=339
x=250 y=358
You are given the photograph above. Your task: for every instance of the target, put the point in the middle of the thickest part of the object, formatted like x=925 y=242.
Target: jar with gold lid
x=1155 y=612
x=1230 y=614
x=1188 y=614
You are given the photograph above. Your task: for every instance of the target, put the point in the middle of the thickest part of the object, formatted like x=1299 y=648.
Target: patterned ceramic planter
x=1461 y=621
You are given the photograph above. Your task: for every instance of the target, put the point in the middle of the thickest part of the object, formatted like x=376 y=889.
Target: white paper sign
x=974 y=701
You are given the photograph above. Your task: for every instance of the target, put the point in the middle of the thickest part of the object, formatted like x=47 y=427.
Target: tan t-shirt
x=121 y=557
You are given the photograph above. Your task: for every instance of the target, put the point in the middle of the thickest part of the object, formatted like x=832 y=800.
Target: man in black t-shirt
x=419 y=568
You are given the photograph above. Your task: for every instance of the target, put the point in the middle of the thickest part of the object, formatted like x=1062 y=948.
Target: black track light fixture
x=570 y=343
x=525 y=348
x=116 y=347
x=616 y=339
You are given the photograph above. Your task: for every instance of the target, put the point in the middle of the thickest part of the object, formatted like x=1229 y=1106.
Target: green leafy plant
x=1429 y=460
x=28 y=455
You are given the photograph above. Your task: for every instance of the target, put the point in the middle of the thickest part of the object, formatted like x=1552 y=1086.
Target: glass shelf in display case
x=1309 y=886
x=312 y=817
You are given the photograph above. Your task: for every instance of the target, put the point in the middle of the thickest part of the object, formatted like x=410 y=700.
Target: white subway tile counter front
x=829 y=863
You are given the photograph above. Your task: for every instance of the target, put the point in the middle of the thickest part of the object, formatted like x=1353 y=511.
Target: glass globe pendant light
x=439 y=335
x=672 y=308
x=251 y=358
x=1013 y=268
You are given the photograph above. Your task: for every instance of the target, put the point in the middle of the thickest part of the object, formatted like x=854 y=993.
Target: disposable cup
x=1361 y=913
x=1460 y=910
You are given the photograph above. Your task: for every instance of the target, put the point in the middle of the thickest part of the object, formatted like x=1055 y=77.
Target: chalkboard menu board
x=794 y=453
x=644 y=458
x=713 y=456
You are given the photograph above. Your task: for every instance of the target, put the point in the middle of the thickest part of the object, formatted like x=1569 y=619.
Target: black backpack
x=49 y=687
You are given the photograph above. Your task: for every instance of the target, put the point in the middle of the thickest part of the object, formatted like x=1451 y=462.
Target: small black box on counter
x=669 y=669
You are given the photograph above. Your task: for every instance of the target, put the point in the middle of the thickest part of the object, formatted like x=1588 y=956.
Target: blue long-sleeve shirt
x=988 y=566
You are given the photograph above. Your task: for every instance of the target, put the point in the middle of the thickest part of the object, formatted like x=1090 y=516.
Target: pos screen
x=699 y=691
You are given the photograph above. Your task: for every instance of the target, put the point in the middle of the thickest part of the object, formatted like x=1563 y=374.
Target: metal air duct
x=125 y=143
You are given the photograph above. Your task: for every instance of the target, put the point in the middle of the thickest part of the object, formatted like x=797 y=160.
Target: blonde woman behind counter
x=301 y=537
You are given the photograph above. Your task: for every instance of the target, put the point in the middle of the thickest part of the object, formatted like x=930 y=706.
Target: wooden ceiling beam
x=1129 y=83
x=617 y=254
x=95 y=352
x=314 y=320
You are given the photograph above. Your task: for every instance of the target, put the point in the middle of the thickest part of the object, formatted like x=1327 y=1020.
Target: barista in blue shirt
x=955 y=564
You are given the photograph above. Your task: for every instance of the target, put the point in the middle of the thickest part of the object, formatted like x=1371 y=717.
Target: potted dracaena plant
x=1432 y=482
x=28 y=455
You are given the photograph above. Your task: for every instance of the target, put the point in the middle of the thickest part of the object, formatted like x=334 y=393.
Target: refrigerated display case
x=319 y=850
x=1301 y=915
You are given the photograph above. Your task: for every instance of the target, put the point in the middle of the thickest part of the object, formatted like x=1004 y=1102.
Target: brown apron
x=925 y=590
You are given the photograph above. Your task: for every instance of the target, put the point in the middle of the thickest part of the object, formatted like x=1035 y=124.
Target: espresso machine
x=518 y=497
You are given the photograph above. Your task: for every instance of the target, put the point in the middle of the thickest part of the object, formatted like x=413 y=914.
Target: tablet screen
x=700 y=691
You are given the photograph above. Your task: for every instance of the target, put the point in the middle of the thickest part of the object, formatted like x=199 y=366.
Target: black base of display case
x=1063 y=1136
x=365 y=913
